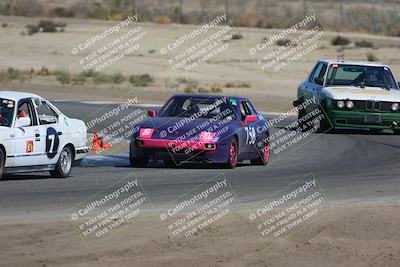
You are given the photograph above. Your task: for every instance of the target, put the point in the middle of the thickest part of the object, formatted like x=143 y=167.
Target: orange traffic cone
x=98 y=143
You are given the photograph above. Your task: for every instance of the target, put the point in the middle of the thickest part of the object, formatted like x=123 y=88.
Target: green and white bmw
x=351 y=94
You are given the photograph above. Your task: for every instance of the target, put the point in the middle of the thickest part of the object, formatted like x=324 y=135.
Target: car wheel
x=138 y=162
x=233 y=155
x=2 y=163
x=323 y=126
x=263 y=156
x=301 y=123
x=171 y=163
x=64 y=163
x=375 y=131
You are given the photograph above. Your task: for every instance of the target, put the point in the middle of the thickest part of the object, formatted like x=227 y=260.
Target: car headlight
x=206 y=137
x=146 y=132
x=395 y=107
x=340 y=104
x=349 y=104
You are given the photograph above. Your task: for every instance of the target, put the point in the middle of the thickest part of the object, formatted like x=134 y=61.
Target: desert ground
x=346 y=236
x=271 y=91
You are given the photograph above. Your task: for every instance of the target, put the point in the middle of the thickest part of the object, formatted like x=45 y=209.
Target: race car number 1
x=52 y=142
x=250 y=135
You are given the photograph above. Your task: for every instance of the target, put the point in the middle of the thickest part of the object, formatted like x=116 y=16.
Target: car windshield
x=196 y=106
x=6 y=112
x=357 y=75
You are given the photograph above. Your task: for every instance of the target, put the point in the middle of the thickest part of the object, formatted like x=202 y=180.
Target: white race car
x=352 y=94
x=36 y=136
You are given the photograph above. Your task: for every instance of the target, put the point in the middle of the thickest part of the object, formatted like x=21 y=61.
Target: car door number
x=52 y=142
x=250 y=135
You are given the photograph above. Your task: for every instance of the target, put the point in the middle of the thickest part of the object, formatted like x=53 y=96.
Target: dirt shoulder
x=346 y=236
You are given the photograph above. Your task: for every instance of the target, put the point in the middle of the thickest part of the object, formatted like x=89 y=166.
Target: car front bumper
x=363 y=119
x=179 y=151
x=81 y=152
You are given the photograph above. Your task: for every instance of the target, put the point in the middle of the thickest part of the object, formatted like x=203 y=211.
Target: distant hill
x=370 y=16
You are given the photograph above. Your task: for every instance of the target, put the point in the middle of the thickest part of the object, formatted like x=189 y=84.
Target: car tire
x=233 y=154
x=171 y=163
x=138 y=162
x=375 y=131
x=323 y=126
x=263 y=156
x=2 y=163
x=302 y=124
x=64 y=163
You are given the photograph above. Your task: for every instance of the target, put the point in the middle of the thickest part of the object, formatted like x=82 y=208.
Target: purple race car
x=202 y=128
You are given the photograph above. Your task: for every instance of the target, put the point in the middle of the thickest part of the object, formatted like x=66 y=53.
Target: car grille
x=371 y=105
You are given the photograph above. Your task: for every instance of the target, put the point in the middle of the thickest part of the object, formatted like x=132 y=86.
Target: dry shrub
x=62 y=12
x=255 y=21
x=203 y=90
x=216 y=89
x=339 y=40
x=364 y=43
x=162 y=19
x=189 y=90
x=237 y=36
x=44 y=72
x=240 y=84
x=285 y=42
x=247 y=20
x=371 y=57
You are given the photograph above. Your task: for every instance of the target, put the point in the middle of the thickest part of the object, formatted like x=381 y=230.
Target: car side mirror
x=250 y=119
x=46 y=119
x=152 y=113
x=23 y=122
x=319 y=81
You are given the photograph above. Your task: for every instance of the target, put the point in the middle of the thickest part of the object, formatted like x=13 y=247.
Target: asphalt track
x=352 y=167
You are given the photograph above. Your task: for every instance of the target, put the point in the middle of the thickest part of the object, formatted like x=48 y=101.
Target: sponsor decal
x=233 y=102
x=29 y=146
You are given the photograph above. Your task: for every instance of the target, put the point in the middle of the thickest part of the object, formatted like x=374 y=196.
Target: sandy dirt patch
x=347 y=236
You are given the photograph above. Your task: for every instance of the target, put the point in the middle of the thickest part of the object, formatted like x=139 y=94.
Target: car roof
x=353 y=62
x=211 y=96
x=12 y=95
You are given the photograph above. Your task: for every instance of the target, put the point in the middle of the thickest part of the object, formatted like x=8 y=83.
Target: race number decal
x=250 y=135
x=29 y=146
x=52 y=142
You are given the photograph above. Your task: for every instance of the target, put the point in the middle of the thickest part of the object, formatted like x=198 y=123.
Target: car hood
x=356 y=93
x=175 y=127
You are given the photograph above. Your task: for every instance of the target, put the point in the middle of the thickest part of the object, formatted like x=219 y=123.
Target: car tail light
x=206 y=137
x=146 y=132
